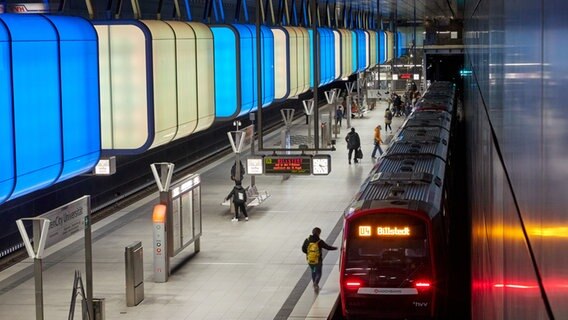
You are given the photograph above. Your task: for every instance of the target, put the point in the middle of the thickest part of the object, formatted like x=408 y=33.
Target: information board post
x=331 y=97
x=309 y=109
x=57 y=225
x=40 y=230
x=349 y=87
x=359 y=102
x=252 y=117
x=89 y=257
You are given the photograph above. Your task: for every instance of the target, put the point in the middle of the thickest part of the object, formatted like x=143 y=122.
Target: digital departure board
x=384 y=231
x=300 y=165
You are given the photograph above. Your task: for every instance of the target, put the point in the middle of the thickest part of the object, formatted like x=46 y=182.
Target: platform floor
x=245 y=270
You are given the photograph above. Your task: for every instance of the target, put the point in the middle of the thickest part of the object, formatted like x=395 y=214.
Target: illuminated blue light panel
x=7 y=172
x=330 y=49
x=247 y=60
x=354 y=51
x=400 y=44
x=37 y=103
x=249 y=65
x=327 y=56
x=267 y=47
x=361 y=50
x=227 y=91
x=80 y=95
x=382 y=47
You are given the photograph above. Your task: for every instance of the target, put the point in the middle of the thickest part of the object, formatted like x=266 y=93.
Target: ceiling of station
x=410 y=10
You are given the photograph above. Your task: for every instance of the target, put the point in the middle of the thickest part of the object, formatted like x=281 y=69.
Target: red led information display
x=384 y=231
x=287 y=165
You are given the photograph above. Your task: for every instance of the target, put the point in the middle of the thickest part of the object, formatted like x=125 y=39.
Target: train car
x=395 y=238
x=440 y=96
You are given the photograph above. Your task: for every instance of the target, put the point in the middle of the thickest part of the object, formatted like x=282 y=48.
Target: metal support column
x=258 y=73
x=316 y=69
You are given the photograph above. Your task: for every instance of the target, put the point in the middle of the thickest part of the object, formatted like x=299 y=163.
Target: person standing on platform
x=388 y=119
x=353 y=143
x=378 y=142
x=338 y=115
x=312 y=248
x=239 y=196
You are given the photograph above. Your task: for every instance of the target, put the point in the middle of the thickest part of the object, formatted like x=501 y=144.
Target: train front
x=386 y=267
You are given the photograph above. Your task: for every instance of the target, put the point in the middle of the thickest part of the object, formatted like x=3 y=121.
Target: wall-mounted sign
x=254 y=165
x=105 y=166
x=67 y=220
x=27 y=8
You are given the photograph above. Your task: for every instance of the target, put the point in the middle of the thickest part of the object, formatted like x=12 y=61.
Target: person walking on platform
x=353 y=143
x=312 y=248
x=388 y=119
x=378 y=142
x=239 y=196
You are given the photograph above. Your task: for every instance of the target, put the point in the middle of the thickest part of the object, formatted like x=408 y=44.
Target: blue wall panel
x=80 y=95
x=267 y=47
x=331 y=51
x=248 y=78
x=400 y=44
x=361 y=50
x=37 y=102
x=227 y=85
x=327 y=56
x=7 y=172
x=49 y=105
x=382 y=47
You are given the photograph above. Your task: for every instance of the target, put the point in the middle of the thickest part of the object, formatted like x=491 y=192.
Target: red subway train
x=395 y=237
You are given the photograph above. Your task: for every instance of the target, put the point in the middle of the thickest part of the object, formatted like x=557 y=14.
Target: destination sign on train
x=384 y=231
x=287 y=165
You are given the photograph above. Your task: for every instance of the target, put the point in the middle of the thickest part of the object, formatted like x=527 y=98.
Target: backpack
x=388 y=115
x=313 y=252
x=240 y=196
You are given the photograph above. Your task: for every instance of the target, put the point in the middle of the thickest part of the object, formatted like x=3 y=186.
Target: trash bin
x=134 y=267
x=98 y=309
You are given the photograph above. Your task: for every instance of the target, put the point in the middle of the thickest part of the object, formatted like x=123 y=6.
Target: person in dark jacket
x=353 y=143
x=239 y=196
x=317 y=267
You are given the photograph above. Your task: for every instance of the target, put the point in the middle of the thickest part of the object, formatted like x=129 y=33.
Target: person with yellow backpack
x=312 y=248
